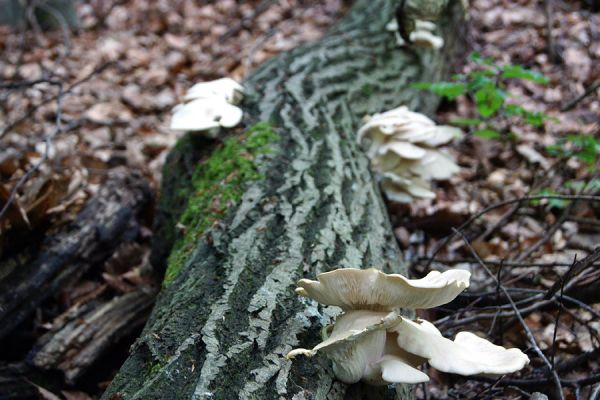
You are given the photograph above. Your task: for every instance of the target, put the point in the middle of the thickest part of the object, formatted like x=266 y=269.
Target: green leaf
x=558 y=203
x=557 y=150
x=487 y=134
x=488 y=100
x=479 y=59
x=593 y=185
x=466 y=121
x=535 y=118
x=518 y=72
x=511 y=110
x=450 y=90
x=588 y=147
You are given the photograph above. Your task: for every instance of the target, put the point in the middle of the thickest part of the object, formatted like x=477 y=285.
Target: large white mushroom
x=468 y=354
x=357 y=349
x=378 y=346
x=402 y=147
x=209 y=105
x=371 y=289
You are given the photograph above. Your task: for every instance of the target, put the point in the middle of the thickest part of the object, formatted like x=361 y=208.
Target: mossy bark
x=222 y=327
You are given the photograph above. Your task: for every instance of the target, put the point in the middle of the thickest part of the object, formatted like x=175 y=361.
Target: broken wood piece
x=85 y=332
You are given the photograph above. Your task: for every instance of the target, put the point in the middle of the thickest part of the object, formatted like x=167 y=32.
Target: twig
x=447 y=239
x=27 y=115
x=554 y=56
x=528 y=332
x=577 y=268
x=506 y=263
x=571 y=104
x=47 y=140
x=548 y=235
x=537 y=382
x=26 y=84
x=501 y=222
x=595 y=393
x=576 y=361
x=258 y=10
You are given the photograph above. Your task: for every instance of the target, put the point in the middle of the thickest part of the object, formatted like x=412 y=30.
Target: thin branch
x=27 y=115
x=570 y=105
x=486 y=210
x=528 y=332
x=506 y=263
x=47 y=141
x=577 y=268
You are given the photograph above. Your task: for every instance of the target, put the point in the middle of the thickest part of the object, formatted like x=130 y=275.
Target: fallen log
x=107 y=220
x=227 y=314
x=83 y=334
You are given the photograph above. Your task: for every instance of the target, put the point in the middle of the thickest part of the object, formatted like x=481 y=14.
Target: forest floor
x=75 y=105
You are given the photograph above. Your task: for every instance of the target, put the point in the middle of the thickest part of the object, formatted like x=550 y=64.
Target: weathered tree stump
x=227 y=314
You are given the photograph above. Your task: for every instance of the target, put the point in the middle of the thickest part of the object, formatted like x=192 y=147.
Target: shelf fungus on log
x=378 y=346
x=209 y=105
x=371 y=289
x=401 y=145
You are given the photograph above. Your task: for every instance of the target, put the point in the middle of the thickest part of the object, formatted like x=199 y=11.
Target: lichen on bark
x=216 y=185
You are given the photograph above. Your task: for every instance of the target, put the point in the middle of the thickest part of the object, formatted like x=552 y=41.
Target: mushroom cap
x=403 y=149
x=391 y=369
x=361 y=349
x=422 y=25
x=224 y=88
x=204 y=113
x=434 y=164
x=357 y=340
x=371 y=289
x=414 y=186
x=392 y=121
x=424 y=38
x=395 y=366
x=468 y=354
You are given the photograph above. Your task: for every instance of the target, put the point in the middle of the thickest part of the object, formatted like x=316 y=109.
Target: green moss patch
x=217 y=184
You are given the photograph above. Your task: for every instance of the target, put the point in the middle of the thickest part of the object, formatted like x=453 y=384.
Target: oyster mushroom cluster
x=402 y=146
x=423 y=35
x=372 y=342
x=209 y=105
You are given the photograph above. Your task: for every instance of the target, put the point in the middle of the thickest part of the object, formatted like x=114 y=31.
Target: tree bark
x=222 y=328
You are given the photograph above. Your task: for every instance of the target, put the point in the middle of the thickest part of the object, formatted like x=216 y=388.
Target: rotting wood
x=82 y=334
x=107 y=220
x=222 y=327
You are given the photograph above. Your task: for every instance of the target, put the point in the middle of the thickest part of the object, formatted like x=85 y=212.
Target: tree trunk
x=48 y=14
x=222 y=327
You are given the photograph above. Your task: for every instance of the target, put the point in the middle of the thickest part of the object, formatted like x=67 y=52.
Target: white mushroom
x=371 y=289
x=357 y=349
x=395 y=365
x=225 y=88
x=468 y=354
x=209 y=105
x=203 y=114
x=422 y=36
x=426 y=39
x=369 y=343
x=400 y=144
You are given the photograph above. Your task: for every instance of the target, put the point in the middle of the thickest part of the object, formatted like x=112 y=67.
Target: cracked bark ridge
x=222 y=328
